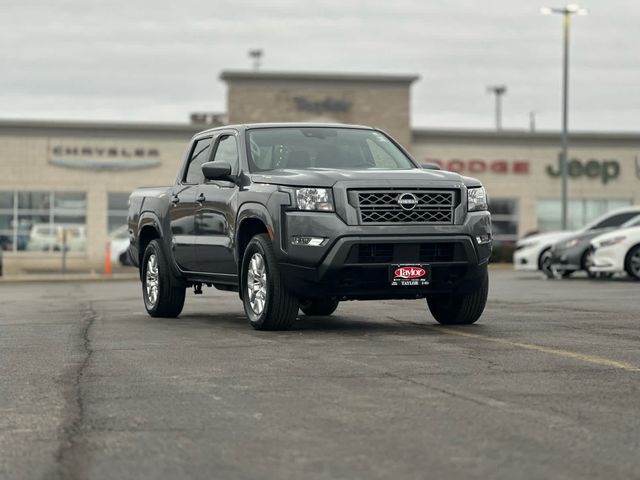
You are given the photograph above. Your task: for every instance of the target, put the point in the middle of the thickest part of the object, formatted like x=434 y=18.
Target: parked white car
x=45 y=237
x=119 y=243
x=617 y=252
x=534 y=252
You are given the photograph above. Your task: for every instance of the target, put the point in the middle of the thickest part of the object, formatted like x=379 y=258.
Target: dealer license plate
x=409 y=275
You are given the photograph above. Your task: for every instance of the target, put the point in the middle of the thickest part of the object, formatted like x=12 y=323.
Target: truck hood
x=324 y=177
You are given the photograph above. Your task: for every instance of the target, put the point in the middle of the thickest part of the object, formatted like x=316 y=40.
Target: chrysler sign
x=92 y=157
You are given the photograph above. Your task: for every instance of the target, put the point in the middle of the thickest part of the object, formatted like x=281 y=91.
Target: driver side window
x=227 y=151
x=199 y=155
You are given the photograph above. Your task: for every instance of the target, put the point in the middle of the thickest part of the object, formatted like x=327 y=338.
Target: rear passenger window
x=199 y=155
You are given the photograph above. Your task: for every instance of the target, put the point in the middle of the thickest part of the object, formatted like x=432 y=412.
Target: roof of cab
x=255 y=126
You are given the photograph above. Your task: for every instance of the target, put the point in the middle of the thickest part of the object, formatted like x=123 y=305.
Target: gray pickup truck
x=303 y=216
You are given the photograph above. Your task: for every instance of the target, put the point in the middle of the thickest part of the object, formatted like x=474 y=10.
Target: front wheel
x=459 y=308
x=632 y=262
x=163 y=296
x=267 y=303
x=546 y=264
x=319 y=306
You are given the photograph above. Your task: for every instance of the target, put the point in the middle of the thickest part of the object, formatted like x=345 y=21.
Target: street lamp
x=566 y=12
x=256 y=54
x=498 y=91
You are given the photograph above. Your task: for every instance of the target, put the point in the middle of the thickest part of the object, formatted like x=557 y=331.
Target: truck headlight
x=476 y=199
x=318 y=199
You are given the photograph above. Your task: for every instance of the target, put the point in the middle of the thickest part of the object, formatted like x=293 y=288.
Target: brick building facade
x=79 y=174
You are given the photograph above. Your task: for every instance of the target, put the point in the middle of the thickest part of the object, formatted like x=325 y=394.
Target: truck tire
x=267 y=303
x=459 y=308
x=320 y=306
x=632 y=262
x=163 y=296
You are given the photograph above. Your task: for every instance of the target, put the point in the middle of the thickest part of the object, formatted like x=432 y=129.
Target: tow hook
x=197 y=288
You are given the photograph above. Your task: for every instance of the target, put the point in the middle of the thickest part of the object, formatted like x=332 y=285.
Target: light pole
x=256 y=54
x=566 y=12
x=498 y=91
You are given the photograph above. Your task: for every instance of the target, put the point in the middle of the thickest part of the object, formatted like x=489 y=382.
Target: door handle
x=201 y=198
x=175 y=199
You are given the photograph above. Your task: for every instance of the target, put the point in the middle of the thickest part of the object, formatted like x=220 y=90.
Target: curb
x=71 y=277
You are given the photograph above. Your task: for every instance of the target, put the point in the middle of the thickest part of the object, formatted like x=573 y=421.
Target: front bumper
x=526 y=259
x=608 y=260
x=568 y=259
x=353 y=262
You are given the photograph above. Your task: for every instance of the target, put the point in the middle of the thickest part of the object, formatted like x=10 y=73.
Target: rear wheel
x=163 y=295
x=632 y=262
x=459 y=308
x=267 y=303
x=319 y=306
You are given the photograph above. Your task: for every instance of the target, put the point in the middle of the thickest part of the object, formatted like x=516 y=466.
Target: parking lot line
x=606 y=362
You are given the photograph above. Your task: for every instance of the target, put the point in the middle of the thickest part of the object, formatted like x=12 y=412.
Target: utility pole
x=498 y=91
x=256 y=55
x=532 y=121
x=566 y=13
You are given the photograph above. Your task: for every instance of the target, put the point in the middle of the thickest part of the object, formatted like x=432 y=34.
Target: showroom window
x=41 y=221
x=117 y=209
x=504 y=218
x=579 y=212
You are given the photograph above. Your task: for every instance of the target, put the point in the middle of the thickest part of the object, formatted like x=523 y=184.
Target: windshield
x=323 y=147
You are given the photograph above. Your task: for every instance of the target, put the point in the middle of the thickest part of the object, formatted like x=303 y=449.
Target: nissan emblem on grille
x=407 y=201
x=417 y=205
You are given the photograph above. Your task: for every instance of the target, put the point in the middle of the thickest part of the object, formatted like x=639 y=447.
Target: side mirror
x=430 y=166
x=216 y=171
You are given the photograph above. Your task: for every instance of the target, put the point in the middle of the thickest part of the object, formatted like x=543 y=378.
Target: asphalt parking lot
x=546 y=385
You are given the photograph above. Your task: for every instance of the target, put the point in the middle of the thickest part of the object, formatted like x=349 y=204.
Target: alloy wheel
x=257 y=283
x=151 y=279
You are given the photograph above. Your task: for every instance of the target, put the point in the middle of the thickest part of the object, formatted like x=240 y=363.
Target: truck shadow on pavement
x=334 y=323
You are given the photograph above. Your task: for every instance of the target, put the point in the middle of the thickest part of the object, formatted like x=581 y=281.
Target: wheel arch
x=252 y=219
x=148 y=229
x=542 y=252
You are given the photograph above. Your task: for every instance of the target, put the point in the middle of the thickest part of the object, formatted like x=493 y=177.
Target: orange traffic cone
x=107 y=260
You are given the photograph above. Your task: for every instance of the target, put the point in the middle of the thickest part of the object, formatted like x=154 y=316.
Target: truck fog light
x=484 y=238
x=309 y=241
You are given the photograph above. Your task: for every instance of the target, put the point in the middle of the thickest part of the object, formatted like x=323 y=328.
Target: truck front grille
x=406 y=206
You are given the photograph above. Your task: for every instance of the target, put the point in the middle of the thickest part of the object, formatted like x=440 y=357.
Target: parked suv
x=303 y=216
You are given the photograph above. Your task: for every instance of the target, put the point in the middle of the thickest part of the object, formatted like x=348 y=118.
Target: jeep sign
x=605 y=170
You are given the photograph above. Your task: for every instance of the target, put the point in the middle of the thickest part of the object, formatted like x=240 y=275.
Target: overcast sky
x=156 y=61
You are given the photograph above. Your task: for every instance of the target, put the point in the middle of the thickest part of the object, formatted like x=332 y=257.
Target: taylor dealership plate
x=409 y=275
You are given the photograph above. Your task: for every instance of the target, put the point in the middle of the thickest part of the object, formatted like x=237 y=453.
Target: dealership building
x=64 y=185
